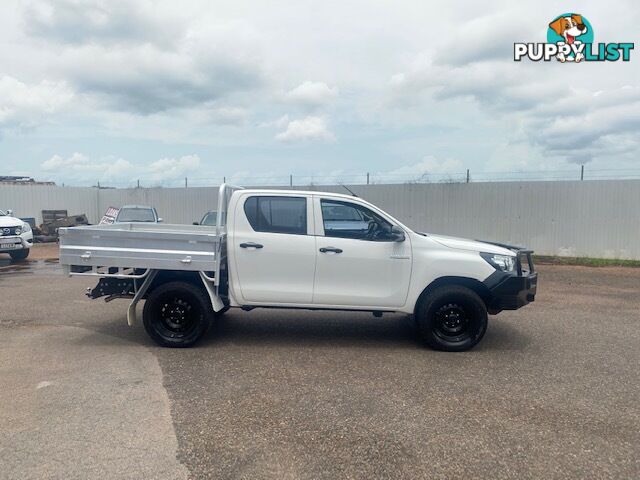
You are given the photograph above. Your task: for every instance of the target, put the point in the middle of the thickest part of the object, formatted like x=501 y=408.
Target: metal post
x=290 y=180
x=467 y=175
x=224 y=179
x=367 y=178
x=185 y=182
x=581 y=172
x=138 y=183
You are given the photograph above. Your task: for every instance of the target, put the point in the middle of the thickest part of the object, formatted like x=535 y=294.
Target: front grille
x=6 y=231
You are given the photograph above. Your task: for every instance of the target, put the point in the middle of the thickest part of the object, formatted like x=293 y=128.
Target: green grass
x=584 y=261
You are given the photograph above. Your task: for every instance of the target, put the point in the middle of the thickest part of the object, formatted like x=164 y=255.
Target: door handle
x=251 y=245
x=330 y=250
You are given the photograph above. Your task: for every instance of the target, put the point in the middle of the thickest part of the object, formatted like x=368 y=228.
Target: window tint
x=210 y=218
x=136 y=215
x=277 y=214
x=349 y=220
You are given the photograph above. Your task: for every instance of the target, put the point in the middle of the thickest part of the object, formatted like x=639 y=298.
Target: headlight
x=18 y=230
x=26 y=227
x=504 y=263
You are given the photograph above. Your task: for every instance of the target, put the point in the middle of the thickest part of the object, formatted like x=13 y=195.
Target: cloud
x=80 y=167
x=312 y=94
x=24 y=106
x=137 y=58
x=117 y=21
x=562 y=120
x=278 y=123
x=482 y=39
x=146 y=80
x=306 y=129
x=83 y=169
x=172 y=168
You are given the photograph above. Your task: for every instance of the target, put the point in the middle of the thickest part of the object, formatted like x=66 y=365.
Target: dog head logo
x=570 y=29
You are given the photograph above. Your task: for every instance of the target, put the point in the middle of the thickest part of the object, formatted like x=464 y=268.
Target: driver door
x=354 y=266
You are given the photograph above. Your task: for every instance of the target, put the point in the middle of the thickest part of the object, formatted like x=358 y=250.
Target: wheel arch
x=167 y=276
x=471 y=283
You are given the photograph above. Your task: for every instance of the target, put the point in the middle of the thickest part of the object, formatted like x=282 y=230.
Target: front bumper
x=16 y=242
x=513 y=290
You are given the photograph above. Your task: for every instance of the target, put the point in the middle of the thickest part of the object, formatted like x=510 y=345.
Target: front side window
x=350 y=220
x=277 y=214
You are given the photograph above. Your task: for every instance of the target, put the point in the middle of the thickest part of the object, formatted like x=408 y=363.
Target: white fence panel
x=590 y=218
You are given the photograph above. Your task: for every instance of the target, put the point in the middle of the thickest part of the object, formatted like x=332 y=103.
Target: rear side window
x=277 y=214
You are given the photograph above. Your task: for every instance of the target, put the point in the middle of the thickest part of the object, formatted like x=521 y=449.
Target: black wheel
x=177 y=314
x=452 y=318
x=19 y=254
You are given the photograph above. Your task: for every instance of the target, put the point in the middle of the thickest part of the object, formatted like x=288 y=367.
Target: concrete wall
x=590 y=218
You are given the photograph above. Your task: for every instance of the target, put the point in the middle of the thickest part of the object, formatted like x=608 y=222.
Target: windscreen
x=210 y=219
x=136 y=215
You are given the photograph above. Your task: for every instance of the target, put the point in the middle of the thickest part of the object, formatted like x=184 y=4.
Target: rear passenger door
x=274 y=250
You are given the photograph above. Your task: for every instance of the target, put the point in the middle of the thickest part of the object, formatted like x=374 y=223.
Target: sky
x=116 y=91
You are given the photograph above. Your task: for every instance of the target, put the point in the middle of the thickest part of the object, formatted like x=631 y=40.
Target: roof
x=300 y=192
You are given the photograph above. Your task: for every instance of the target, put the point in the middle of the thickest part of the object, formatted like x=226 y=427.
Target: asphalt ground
x=553 y=390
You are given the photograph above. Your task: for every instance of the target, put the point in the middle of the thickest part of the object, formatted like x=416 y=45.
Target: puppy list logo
x=570 y=39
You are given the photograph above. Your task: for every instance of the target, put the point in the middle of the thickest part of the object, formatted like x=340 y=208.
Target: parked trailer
x=299 y=249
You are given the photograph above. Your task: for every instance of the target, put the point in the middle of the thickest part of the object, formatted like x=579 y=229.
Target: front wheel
x=19 y=254
x=452 y=318
x=177 y=314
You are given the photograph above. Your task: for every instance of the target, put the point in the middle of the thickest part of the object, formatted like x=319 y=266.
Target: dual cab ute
x=298 y=249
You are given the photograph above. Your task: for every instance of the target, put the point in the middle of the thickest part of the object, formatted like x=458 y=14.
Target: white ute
x=299 y=249
x=16 y=237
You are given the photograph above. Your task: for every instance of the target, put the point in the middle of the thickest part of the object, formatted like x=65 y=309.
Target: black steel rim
x=178 y=315
x=453 y=323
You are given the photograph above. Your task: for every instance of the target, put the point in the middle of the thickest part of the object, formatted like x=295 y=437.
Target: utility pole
x=291 y=180
x=367 y=178
x=467 y=175
x=138 y=183
x=581 y=172
x=185 y=182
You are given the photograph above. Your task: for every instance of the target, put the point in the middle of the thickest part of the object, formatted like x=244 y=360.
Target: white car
x=16 y=237
x=298 y=249
x=137 y=213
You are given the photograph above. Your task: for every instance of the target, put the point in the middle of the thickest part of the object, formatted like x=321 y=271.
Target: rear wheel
x=19 y=254
x=452 y=318
x=177 y=314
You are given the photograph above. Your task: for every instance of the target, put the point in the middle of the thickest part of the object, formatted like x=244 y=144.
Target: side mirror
x=397 y=234
x=10 y=212
x=196 y=223
x=160 y=220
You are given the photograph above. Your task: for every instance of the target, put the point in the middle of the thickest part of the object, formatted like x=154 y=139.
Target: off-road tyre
x=451 y=318
x=177 y=314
